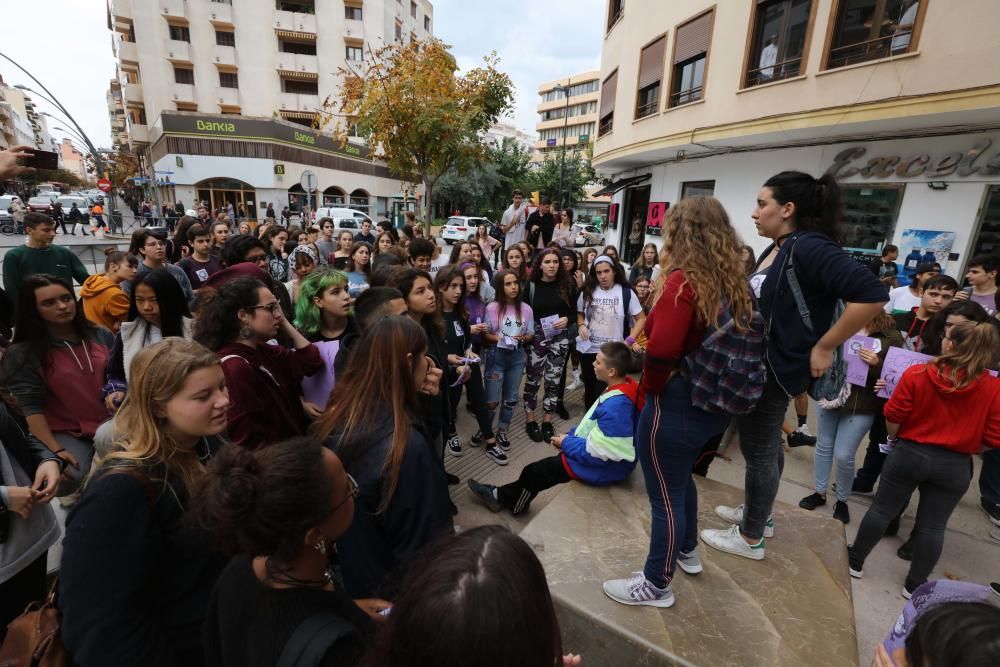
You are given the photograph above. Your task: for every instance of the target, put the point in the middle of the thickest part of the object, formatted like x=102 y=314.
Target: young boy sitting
x=599 y=451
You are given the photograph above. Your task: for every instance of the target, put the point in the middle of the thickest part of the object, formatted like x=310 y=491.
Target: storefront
x=937 y=194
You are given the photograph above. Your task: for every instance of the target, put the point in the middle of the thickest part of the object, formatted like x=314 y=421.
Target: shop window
x=697 y=189
x=179 y=33
x=866 y=30
x=870 y=213
x=691 y=42
x=988 y=237
x=183 y=75
x=650 y=73
x=225 y=38
x=615 y=9
x=778 y=42
x=607 y=117
x=229 y=80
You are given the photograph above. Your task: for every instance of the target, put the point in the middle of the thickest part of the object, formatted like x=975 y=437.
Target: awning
x=620 y=185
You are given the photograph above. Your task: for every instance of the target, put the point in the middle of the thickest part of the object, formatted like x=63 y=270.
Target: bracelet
x=630 y=341
x=59 y=451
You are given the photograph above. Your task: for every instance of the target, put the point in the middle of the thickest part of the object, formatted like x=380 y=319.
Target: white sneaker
x=637 y=590
x=690 y=562
x=804 y=430
x=735 y=515
x=577 y=382
x=730 y=541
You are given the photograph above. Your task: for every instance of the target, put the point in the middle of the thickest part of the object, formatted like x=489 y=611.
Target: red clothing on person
x=673 y=331
x=263 y=385
x=930 y=412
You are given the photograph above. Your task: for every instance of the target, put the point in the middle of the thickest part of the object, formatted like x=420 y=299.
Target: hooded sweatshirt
x=104 y=302
x=600 y=449
x=931 y=412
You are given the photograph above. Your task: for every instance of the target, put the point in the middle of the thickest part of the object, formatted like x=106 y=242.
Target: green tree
x=410 y=103
x=577 y=174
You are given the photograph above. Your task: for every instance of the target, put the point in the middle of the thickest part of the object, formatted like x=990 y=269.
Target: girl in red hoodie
x=939 y=416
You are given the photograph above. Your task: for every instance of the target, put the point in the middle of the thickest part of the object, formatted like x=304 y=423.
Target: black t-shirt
x=546 y=300
x=547 y=224
x=248 y=623
x=199 y=272
x=455 y=338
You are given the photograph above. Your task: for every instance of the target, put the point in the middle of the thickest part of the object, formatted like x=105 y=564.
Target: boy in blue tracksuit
x=599 y=451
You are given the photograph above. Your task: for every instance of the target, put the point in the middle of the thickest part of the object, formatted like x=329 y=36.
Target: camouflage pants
x=546 y=358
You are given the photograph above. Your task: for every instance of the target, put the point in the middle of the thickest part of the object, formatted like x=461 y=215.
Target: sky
x=536 y=42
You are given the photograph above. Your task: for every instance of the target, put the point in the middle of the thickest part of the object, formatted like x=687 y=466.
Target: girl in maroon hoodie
x=940 y=415
x=53 y=373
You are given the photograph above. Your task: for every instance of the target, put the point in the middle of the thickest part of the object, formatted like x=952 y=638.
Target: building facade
x=502 y=130
x=73 y=160
x=567 y=114
x=193 y=75
x=896 y=98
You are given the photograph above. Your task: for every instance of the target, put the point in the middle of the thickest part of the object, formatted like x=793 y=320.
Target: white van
x=335 y=213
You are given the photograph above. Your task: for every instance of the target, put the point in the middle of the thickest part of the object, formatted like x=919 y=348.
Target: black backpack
x=314 y=637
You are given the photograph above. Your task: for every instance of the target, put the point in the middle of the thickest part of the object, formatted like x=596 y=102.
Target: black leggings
x=535 y=478
x=477 y=399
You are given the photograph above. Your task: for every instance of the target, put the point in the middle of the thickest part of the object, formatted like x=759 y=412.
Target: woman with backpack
x=700 y=277
x=803 y=271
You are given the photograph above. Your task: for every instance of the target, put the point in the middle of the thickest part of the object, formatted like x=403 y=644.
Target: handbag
x=33 y=637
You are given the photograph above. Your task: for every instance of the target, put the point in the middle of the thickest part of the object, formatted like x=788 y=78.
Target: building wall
x=542 y=144
x=73 y=160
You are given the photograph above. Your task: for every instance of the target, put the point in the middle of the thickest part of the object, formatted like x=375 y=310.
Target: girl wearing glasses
x=280 y=509
x=263 y=379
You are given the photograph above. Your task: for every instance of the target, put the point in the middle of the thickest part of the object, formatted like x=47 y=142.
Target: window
x=305 y=48
x=871 y=29
x=413 y=9
x=228 y=80
x=183 y=75
x=574 y=91
x=399 y=31
x=870 y=213
x=650 y=70
x=573 y=110
x=569 y=131
x=697 y=189
x=615 y=8
x=301 y=6
x=137 y=115
x=690 y=58
x=223 y=2
x=225 y=38
x=778 y=42
x=607 y=113
x=353 y=13
x=300 y=87
x=427 y=23
x=355 y=53
x=180 y=33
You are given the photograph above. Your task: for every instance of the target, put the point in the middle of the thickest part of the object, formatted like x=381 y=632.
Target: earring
x=245 y=331
x=320 y=546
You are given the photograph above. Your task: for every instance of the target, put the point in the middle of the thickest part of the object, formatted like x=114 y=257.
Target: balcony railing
x=225 y=55
x=173 y=8
x=298 y=62
x=686 y=96
x=647 y=109
x=177 y=51
x=133 y=92
x=296 y=21
x=872 y=49
x=121 y=10
x=298 y=101
x=183 y=92
x=221 y=12
x=229 y=97
x=786 y=69
x=606 y=124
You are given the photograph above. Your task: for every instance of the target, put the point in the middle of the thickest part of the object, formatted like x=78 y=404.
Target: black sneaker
x=562 y=411
x=855 y=566
x=859 y=489
x=496 y=455
x=547 y=431
x=908 y=590
x=812 y=501
x=905 y=552
x=502 y=441
x=535 y=433
x=992 y=511
x=477 y=439
x=454 y=445
x=485 y=493
x=800 y=439
x=841 y=513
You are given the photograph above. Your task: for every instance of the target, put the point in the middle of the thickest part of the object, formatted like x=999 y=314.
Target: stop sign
x=104 y=185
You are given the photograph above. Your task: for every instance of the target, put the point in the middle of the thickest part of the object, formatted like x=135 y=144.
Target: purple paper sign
x=857 y=369
x=896 y=363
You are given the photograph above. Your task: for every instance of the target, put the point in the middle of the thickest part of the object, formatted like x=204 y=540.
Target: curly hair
x=217 y=323
x=308 y=318
x=700 y=241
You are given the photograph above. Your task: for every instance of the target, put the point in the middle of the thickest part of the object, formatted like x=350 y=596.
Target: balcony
x=138 y=133
x=121 y=10
x=298 y=62
x=295 y=21
x=220 y=13
x=177 y=51
x=298 y=101
x=229 y=97
x=225 y=55
x=133 y=93
x=128 y=52
x=183 y=92
x=174 y=9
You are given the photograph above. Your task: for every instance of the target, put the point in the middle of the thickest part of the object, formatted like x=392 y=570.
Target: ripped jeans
x=504 y=369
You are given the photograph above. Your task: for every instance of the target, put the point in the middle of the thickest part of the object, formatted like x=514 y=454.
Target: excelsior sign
x=851 y=162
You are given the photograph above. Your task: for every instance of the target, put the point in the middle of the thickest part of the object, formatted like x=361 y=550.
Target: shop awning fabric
x=620 y=185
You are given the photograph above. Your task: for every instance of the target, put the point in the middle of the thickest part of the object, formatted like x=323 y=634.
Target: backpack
x=315 y=636
x=727 y=372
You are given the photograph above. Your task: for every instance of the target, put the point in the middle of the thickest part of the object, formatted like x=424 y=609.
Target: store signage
x=977 y=160
x=258 y=129
x=550 y=142
x=654 y=217
x=583 y=138
x=279 y=170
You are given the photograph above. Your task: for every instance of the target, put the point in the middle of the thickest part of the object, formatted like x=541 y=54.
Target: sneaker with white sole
x=637 y=590
x=486 y=493
x=477 y=440
x=503 y=442
x=690 y=562
x=855 y=566
x=577 y=382
x=455 y=445
x=731 y=541
x=496 y=455
x=735 y=515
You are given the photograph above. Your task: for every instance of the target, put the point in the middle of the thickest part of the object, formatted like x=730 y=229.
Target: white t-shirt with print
x=605 y=317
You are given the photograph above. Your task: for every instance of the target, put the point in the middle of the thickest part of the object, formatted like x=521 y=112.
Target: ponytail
x=817 y=200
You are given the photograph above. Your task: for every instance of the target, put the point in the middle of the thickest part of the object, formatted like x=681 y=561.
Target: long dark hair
x=817 y=200
x=180 y=238
x=591 y=283
x=457 y=250
x=30 y=329
x=403 y=279
x=488 y=588
x=217 y=323
x=501 y=296
x=934 y=331
x=169 y=297
x=563 y=280
x=441 y=282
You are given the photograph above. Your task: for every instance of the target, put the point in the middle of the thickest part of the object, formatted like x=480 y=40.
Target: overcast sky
x=67 y=46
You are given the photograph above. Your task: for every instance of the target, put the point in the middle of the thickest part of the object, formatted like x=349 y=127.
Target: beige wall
x=571 y=142
x=950 y=75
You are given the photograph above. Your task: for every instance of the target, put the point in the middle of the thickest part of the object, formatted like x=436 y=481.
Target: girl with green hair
x=323 y=315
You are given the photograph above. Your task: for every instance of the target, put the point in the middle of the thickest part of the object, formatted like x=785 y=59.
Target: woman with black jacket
x=800 y=214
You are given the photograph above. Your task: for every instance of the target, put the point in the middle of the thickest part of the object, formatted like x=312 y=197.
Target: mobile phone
x=42 y=160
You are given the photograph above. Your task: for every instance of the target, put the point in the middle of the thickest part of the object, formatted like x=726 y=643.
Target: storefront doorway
x=636 y=206
x=221 y=191
x=987 y=238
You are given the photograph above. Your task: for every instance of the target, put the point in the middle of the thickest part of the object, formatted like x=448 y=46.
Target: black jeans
x=865 y=478
x=22 y=589
x=942 y=476
x=535 y=478
x=477 y=399
x=592 y=387
x=760 y=440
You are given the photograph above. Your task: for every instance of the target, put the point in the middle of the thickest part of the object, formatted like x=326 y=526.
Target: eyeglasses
x=272 y=307
x=257 y=259
x=353 y=492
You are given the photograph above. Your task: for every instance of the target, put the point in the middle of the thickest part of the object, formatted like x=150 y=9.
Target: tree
x=578 y=173
x=410 y=103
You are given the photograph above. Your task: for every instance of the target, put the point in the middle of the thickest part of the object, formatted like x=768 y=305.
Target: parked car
x=40 y=204
x=6 y=219
x=351 y=224
x=341 y=212
x=462 y=228
x=584 y=235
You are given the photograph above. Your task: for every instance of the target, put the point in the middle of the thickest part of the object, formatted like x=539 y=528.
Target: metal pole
x=562 y=157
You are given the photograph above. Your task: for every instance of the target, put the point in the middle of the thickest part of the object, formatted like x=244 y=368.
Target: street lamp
x=562 y=157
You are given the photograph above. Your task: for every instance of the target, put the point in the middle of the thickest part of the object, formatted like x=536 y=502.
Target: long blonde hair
x=700 y=241
x=975 y=349
x=141 y=441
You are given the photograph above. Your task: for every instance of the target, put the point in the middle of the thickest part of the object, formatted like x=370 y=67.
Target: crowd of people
x=249 y=426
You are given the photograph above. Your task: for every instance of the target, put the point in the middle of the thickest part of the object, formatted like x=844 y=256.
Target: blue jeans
x=989 y=478
x=838 y=435
x=760 y=440
x=504 y=369
x=668 y=439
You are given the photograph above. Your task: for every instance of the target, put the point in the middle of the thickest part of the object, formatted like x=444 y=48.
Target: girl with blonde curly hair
x=701 y=270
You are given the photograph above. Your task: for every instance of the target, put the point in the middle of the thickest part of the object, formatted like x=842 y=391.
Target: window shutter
x=651 y=63
x=608 y=94
x=691 y=38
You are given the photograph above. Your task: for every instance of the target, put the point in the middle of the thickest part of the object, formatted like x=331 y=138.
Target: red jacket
x=672 y=331
x=930 y=412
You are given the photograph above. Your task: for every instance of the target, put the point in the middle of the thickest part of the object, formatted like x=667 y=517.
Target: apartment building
x=896 y=98
x=220 y=98
x=501 y=130
x=567 y=114
x=72 y=159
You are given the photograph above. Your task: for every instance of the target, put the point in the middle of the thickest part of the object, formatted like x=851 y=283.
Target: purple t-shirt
x=987 y=301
